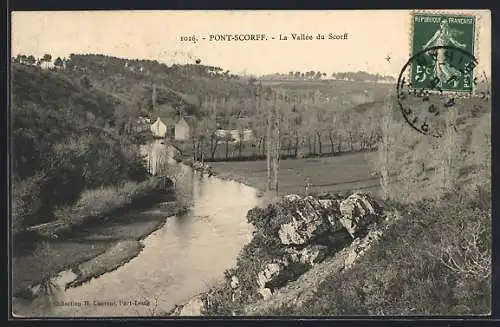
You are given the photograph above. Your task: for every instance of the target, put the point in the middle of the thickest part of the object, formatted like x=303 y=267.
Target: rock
x=359 y=247
x=194 y=307
x=265 y=293
x=235 y=283
x=358 y=211
x=270 y=271
x=326 y=203
x=309 y=218
x=309 y=255
x=292 y=197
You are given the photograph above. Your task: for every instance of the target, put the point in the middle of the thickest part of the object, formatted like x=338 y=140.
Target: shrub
x=26 y=202
x=103 y=201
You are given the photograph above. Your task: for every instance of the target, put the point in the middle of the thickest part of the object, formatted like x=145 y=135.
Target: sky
x=372 y=35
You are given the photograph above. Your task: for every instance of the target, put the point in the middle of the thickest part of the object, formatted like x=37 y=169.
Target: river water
x=178 y=260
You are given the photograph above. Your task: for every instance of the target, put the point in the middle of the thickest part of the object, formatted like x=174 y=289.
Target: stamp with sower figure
x=439 y=80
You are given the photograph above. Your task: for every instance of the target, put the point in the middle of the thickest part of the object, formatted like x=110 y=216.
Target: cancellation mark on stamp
x=439 y=76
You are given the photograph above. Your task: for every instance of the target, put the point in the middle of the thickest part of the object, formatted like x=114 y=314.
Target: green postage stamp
x=444 y=46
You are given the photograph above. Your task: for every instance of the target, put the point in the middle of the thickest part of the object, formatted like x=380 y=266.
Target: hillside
x=64 y=140
x=176 y=85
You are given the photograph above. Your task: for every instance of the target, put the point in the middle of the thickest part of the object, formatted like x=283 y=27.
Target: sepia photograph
x=226 y=163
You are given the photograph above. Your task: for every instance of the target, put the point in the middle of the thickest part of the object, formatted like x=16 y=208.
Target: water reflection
x=177 y=261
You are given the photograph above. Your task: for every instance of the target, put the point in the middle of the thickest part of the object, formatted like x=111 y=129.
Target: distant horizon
x=156 y=35
x=248 y=74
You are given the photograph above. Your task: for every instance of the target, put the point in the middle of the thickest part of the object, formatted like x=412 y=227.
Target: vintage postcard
x=250 y=163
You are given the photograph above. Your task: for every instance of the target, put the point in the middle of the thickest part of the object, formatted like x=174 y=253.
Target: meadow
x=329 y=174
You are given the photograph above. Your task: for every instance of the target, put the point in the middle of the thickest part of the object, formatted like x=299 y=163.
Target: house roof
x=190 y=120
x=244 y=121
x=164 y=119
x=165 y=112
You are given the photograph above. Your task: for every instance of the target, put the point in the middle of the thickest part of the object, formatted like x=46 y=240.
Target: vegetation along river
x=178 y=260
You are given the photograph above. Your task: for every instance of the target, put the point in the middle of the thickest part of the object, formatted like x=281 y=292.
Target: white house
x=248 y=135
x=158 y=128
x=221 y=133
x=235 y=135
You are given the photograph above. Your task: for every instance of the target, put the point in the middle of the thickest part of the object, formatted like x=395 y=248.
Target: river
x=178 y=260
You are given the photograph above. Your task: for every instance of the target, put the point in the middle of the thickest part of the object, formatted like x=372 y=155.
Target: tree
x=273 y=144
x=385 y=153
x=30 y=60
x=320 y=116
x=69 y=64
x=21 y=58
x=58 y=62
x=47 y=57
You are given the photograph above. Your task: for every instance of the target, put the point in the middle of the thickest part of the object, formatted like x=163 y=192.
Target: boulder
x=308 y=218
x=292 y=197
x=270 y=271
x=293 y=264
x=358 y=211
x=309 y=255
x=235 y=283
x=194 y=307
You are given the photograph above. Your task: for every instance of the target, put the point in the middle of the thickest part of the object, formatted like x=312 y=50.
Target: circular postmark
x=437 y=88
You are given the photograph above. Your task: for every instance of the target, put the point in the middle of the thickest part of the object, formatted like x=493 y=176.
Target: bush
x=101 y=202
x=26 y=203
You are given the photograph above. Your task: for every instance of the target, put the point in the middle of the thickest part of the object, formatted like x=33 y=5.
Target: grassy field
x=331 y=174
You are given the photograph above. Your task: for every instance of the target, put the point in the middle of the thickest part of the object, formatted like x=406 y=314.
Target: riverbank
x=95 y=246
x=325 y=175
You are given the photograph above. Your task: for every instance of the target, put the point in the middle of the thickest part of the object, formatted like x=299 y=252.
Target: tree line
x=308 y=126
x=319 y=75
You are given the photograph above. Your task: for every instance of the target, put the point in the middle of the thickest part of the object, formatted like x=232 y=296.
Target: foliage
x=63 y=143
x=26 y=202
x=100 y=202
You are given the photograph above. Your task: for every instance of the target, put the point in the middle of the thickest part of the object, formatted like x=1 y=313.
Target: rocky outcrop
x=298 y=234
x=310 y=229
x=309 y=217
x=302 y=289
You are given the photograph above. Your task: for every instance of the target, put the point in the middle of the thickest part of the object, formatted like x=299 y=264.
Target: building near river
x=159 y=128
x=185 y=128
